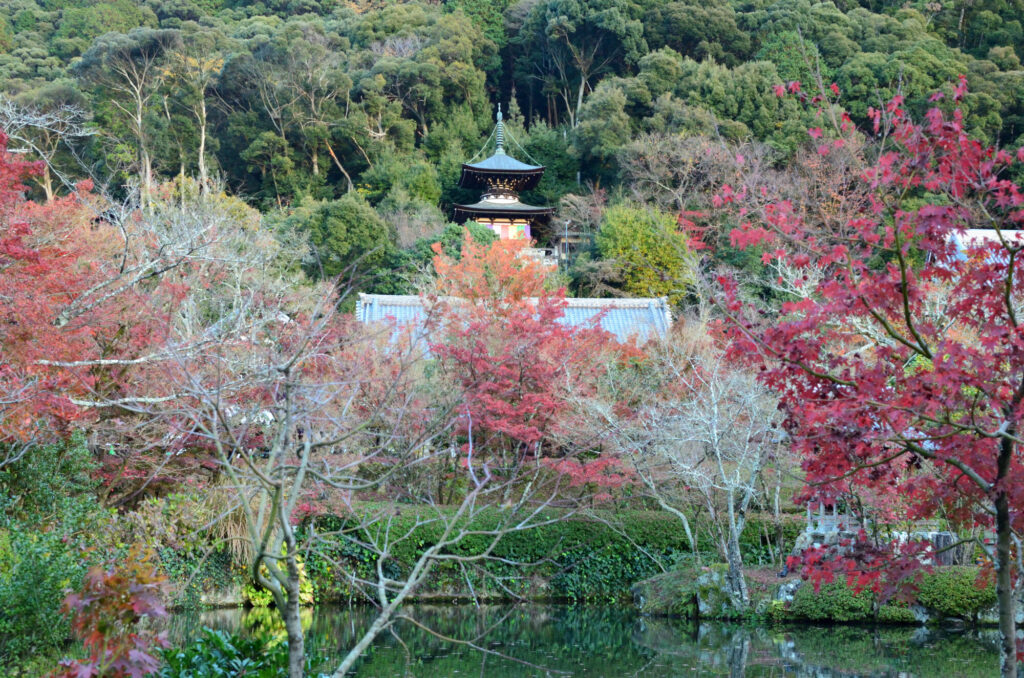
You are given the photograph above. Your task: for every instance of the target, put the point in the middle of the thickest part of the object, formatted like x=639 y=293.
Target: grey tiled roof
x=642 y=319
x=496 y=206
x=502 y=162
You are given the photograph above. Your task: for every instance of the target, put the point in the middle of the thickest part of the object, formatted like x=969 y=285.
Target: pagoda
x=501 y=178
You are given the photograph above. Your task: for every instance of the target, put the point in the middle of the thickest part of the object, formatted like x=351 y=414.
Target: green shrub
x=896 y=613
x=193 y=574
x=954 y=592
x=51 y=530
x=31 y=590
x=775 y=613
x=34 y=488
x=257 y=596
x=946 y=592
x=833 y=602
x=217 y=653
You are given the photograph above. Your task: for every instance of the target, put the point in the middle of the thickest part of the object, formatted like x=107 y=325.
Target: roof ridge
x=620 y=302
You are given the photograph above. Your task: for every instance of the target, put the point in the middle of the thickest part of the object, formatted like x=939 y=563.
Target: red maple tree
x=502 y=339
x=85 y=312
x=37 y=275
x=902 y=368
x=106 y=615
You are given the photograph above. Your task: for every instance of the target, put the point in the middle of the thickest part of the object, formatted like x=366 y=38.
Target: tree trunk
x=145 y=165
x=739 y=654
x=579 y=100
x=1004 y=569
x=378 y=625
x=341 y=168
x=47 y=183
x=387 y=612
x=202 y=143
x=293 y=620
x=737 y=582
x=147 y=177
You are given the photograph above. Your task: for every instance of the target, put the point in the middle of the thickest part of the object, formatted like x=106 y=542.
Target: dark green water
x=596 y=642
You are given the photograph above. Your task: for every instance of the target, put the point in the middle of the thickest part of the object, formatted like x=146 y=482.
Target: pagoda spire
x=500 y=135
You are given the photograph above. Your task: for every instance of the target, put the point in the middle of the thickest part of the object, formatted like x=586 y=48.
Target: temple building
x=501 y=178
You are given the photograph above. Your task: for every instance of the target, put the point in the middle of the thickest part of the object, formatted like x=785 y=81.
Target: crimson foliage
x=902 y=368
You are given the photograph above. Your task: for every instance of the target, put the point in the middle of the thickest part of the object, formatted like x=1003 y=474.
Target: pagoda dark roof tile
x=502 y=162
x=496 y=206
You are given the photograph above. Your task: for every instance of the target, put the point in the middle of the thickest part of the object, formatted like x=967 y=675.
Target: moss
x=685 y=604
x=712 y=598
x=670 y=593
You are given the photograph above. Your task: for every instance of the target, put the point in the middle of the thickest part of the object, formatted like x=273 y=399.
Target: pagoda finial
x=500 y=136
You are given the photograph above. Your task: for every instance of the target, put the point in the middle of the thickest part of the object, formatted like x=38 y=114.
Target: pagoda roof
x=500 y=208
x=499 y=164
x=502 y=162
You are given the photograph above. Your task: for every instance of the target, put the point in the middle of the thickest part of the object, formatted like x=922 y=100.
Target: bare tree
x=193 y=68
x=129 y=67
x=284 y=405
x=701 y=438
x=45 y=132
x=676 y=172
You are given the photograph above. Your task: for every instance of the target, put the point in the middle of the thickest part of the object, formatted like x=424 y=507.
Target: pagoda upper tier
x=501 y=178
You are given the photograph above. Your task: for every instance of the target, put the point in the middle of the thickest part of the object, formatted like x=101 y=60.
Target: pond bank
x=592 y=558
x=949 y=595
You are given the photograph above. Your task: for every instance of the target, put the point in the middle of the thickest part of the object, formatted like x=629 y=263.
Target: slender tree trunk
x=579 y=100
x=341 y=168
x=387 y=613
x=203 y=175
x=147 y=176
x=292 y=617
x=739 y=653
x=293 y=627
x=145 y=164
x=47 y=183
x=1004 y=568
x=737 y=582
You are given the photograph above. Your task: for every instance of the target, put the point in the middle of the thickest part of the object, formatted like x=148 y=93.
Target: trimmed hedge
x=948 y=592
x=581 y=558
x=954 y=592
x=832 y=602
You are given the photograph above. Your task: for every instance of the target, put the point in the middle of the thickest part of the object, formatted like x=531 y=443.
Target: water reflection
x=532 y=640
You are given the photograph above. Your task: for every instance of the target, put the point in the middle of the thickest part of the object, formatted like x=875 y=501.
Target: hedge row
x=594 y=558
x=948 y=592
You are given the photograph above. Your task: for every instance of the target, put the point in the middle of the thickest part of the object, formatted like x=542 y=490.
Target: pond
x=525 y=641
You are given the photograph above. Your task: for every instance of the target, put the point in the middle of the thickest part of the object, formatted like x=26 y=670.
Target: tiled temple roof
x=642 y=319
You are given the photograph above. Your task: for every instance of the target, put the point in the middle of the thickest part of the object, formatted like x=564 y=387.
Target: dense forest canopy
x=293 y=105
